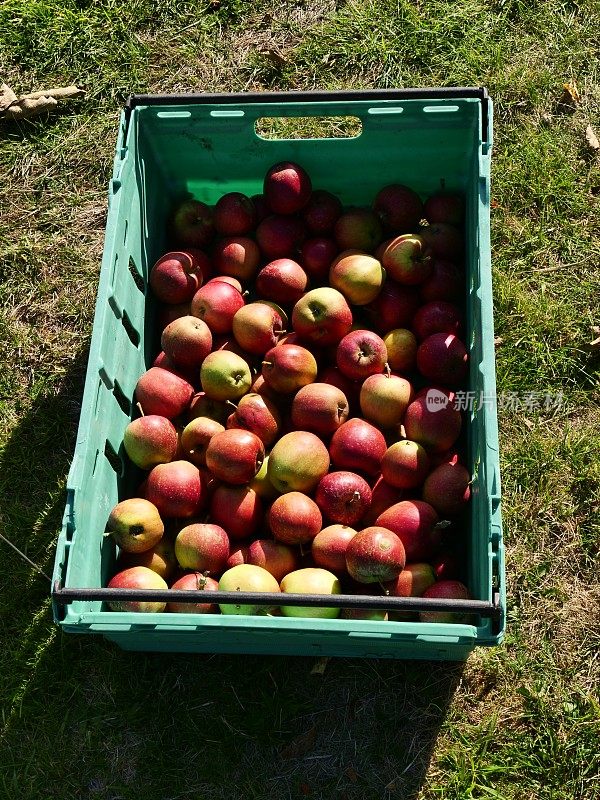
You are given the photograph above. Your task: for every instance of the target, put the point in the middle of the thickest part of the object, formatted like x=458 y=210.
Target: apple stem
x=141 y=410
x=301 y=550
x=355 y=497
x=246 y=293
x=230 y=403
x=267 y=363
x=387 y=369
x=385 y=591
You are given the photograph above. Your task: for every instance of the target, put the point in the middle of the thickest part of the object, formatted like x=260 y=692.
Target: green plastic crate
x=207 y=145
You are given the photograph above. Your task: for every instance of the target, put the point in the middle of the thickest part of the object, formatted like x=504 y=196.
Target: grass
x=83 y=719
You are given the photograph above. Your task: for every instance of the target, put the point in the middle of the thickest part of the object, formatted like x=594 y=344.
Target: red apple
x=446 y=566
x=351 y=389
x=437 y=317
x=237 y=509
x=237 y=256
x=343 y=497
x=448 y=489
x=320 y=408
x=135 y=525
x=161 y=392
x=321 y=212
x=168 y=313
x=445 y=207
x=444 y=241
x=192 y=224
x=234 y=214
x=374 y=555
x=294 y=518
x=384 y=399
x=329 y=547
x=228 y=279
x=195 y=438
x=358 y=446
x=282 y=280
x=401 y=346
x=408 y=260
x=235 y=456
x=216 y=304
x=317 y=255
x=137 y=578
x=361 y=353
x=405 y=464
x=415 y=522
x=276 y=558
x=176 y=276
x=257 y=327
x=225 y=375
x=298 y=462
x=399 y=208
x=394 y=306
x=202 y=546
x=238 y=556
x=453 y=590
x=289 y=367
x=150 y=440
x=257 y=414
x=358 y=229
x=382 y=497
x=187 y=341
x=279 y=236
x=433 y=421
x=322 y=316
x=287 y=188
x=261 y=207
x=442 y=358
x=413 y=581
x=175 y=489
x=194 y=581
x=445 y=283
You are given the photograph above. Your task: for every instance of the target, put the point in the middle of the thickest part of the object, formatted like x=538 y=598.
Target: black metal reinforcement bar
x=64 y=596
x=317 y=96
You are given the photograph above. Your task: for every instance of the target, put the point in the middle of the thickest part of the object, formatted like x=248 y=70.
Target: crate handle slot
x=173 y=114
x=137 y=278
x=134 y=336
x=122 y=399
x=113 y=458
x=385 y=110
x=227 y=112
x=440 y=109
x=339 y=126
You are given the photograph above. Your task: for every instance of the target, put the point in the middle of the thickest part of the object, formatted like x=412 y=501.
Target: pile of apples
x=287 y=425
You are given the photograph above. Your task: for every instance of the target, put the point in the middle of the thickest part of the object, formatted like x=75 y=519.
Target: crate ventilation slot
x=173 y=114
x=125 y=226
x=440 y=109
x=137 y=278
x=113 y=458
x=121 y=399
x=286 y=128
x=134 y=336
x=227 y=112
x=386 y=110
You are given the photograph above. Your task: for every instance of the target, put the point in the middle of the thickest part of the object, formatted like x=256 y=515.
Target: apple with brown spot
x=194 y=581
x=135 y=525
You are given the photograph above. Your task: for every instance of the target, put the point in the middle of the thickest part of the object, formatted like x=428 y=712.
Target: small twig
x=22 y=554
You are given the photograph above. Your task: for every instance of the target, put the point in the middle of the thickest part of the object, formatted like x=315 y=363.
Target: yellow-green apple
x=294 y=518
x=394 y=307
x=358 y=277
x=195 y=438
x=204 y=406
x=150 y=440
x=282 y=280
x=288 y=368
x=320 y=408
x=311 y=580
x=192 y=224
x=276 y=558
x=361 y=353
x=225 y=375
x=235 y=455
x=257 y=414
x=280 y=236
x=161 y=559
x=399 y=208
x=234 y=214
x=343 y=497
x=322 y=316
x=216 y=304
x=413 y=581
x=452 y=590
x=135 y=525
x=407 y=259
x=257 y=327
x=236 y=256
x=446 y=282
x=382 y=497
x=298 y=462
x=163 y=393
x=238 y=509
x=246 y=578
x=375 y=555
x=384 y=399
x=405 y=464
x=328 y=548
x=442 y=358
x=194 y=581
x=448 y=489
x=177 y=276
x=176 y=489
x=437 y=316
x=416 y=524
x=433 y=420
x=187 y=341
x=261 y=484
x=317 y=255
x=137 y=578
x=358 y=446
x=321 y=212
x=287 y=188
x=202 y=546
x=401 y=345
x=444 y=240
x=358 y=228
x=448 y=207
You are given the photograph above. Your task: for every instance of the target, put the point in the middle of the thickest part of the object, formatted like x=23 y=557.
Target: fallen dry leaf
x=498 y=341
x=320 y=667
x=274 y=56
x=570 y=96
x=529 y=423
x=301 y=745
x=591 y=138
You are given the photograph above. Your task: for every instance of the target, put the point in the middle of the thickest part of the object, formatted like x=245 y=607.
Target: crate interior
x=207 y=151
